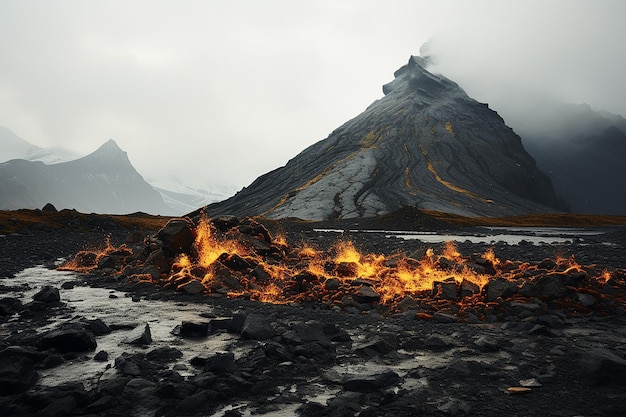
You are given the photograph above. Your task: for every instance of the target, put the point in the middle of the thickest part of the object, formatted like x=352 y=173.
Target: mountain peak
x=415 y=78
x=425 y=144
x=110 y=146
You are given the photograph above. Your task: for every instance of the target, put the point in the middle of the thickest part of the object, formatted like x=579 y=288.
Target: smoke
x=527 y=59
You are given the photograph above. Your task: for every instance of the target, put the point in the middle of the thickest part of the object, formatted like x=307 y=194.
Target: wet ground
x=250 y=358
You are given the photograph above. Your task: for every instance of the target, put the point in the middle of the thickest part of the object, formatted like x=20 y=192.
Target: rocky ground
x=303 y=359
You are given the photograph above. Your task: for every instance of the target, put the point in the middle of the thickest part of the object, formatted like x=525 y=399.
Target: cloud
x=222 y=92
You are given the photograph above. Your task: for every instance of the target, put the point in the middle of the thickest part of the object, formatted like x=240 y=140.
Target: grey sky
x=218 y=93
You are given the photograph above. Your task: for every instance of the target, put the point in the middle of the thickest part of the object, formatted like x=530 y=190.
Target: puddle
x=113 y=307
x=491 y=235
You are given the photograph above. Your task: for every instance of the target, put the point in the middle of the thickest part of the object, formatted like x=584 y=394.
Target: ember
x=240 y=258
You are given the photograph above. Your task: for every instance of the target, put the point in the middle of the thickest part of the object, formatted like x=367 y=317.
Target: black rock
x=604 y=367
x=9 y=305
x=190 y=329
x=257 y=327
x=101 y=356
x=48 y=294
x=97 y=327
x=17 y=374
x=68 y=337
x=140 y=335
x=369 y=383
x=164 y=354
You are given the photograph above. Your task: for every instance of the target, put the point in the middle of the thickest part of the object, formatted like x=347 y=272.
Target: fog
x=218 y=93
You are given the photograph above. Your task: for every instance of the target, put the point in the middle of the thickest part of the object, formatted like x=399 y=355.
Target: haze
x=218 y=93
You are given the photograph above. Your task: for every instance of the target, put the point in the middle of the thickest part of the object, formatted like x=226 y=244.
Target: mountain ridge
x=425 y=143
x=103 y=181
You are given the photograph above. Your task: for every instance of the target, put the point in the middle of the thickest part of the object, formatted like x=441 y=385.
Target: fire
x=368 y=266
x=246 y=261
x=88 y=260
x=208 y=247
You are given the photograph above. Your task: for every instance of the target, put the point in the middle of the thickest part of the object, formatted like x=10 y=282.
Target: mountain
x=14 y=147
x=424 y=144
x=582 y=150
x=103 y=182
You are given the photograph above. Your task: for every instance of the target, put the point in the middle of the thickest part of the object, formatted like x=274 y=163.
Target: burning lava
x=227 y=256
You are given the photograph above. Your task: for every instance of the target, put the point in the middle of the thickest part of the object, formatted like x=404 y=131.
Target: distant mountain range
x=102 y=182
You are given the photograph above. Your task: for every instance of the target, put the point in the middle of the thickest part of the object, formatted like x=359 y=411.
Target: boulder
x=68 y=337
x=445 y=290
x=257 y=327
x=500 y=288
x=48 y=294
x=140 y=335
x=604 y=367
x=369 y=383
x=16 y=374
x=177 y=236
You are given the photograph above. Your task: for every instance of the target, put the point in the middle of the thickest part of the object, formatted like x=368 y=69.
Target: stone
x=192 y=287
x=17 y=374
x=552 y=287
x=500 y=288
x=140 y=335
x=68 y=337
x=377 y=345
x=48 y=294
x=445 y=290
x=468 y=288
x=176 y=236
x=366 y=294
x=10 y=305
x=369 y=383
x=604 y=367
x=101 y=356
x=193 y=330
x=445 y=318
x=164 y=354
x=257 y=327
x=97 y=327
x=488 y=344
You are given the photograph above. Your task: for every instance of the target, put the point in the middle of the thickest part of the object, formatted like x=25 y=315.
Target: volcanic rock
x=257 y=327
x=48 y=294
x=425 y=144
x=177 y=237
x=367 y=383
x=68 y=337
x=140 y=335
x=603 y=366
x=16 y=374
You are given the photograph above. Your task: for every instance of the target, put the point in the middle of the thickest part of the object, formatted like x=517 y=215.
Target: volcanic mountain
x=103 y=182
x=426 y=144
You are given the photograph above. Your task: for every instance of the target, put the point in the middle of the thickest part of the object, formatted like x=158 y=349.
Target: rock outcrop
x=424 y=144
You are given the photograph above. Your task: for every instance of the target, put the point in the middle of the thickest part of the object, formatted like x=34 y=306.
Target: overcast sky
x=220 y=92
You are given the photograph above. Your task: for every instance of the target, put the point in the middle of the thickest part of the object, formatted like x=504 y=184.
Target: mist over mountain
x=24 y=189
x=424 y=144
x=14 y=147
x=582 y=150
x=103 y=182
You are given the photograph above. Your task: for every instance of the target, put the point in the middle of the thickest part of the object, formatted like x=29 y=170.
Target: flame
x=209 y=248
x=228 y=263
x=88 y=260
x=490 y=256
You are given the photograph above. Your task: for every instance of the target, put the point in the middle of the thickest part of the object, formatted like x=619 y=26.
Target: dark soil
x=579 y=363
